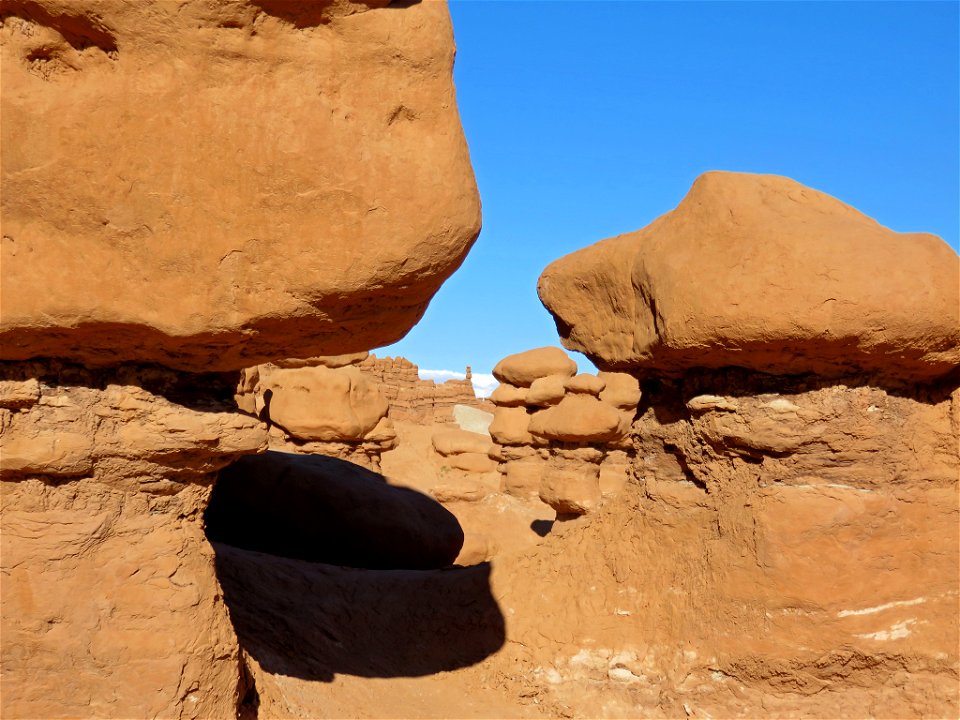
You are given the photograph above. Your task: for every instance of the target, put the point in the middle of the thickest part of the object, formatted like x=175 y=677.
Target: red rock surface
x=189 y=189
x=760 y=272
x=110 y=602
x=214 y=184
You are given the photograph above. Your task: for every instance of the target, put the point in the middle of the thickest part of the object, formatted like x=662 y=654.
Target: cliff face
x=792 y=513
x=190 y=189
x=414 y=400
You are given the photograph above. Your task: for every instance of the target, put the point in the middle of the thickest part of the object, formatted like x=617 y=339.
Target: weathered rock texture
x=193 y=187
x=793 y=515
x=414 y=400
x=760 y=272
x=209 y=185
x=784 y=548
x=563 y=436
x=110 y=604
x=317 y=409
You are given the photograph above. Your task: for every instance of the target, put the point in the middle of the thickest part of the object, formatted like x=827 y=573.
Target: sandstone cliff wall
x=792 y=506
x=414 y=400
x=188 y=189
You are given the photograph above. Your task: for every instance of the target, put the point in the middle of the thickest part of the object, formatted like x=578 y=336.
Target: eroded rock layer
x=784 y=548
x=110 y=604
x=415 y=400
x=792 y=510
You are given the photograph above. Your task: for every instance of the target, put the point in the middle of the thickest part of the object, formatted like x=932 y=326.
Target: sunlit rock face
x=209 y=184
x=190 y=188
x=760 y=272
x=790 y=518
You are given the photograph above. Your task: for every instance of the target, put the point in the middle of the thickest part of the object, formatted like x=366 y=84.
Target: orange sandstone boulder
x=571 y=492
x=317 y=403
x=510 y=426
x=546 y=391
x=456 y=442
x=578 y=418
x=585 y=383
x=760 y=272
x=472 y=462
x=621 y=390
x=211 y=185
x=508 y=395
x=523 y=368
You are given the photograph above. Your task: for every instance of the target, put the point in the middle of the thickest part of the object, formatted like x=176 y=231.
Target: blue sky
x=589 y=119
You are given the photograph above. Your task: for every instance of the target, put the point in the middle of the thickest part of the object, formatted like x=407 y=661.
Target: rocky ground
x=216 y=504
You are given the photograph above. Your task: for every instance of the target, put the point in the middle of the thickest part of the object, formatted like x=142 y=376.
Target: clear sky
x=588 y=119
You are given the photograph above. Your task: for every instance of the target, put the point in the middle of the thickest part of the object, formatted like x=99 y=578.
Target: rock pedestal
x=189 y=189
x=794 y=512
x=561 y=432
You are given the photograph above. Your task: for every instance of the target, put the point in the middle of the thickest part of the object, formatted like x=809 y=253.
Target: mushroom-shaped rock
x=456 y=442
x=622 y=390
x=523 y=368
x=507 y=395
x=510 y=426
x=586 y=383
x=578 y=418
x=317 y=403
x=346 y=197
x=760 y=272
x=546 y=391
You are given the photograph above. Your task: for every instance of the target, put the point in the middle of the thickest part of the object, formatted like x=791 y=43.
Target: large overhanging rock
x=760 y=272
x=209 y=185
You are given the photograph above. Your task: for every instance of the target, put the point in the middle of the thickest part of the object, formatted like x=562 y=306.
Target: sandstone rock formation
x=524 y=368
x=189 y=189
x=416 y=400
x=559 y=440
x=317 y=409
x=210 y=184
x=759 y=272
x=793 y=510
x=110 y=605
x=467 y=451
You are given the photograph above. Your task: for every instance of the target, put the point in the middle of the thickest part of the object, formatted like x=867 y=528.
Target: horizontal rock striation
x=414 y=400
x=792 y=512
x=110 y=601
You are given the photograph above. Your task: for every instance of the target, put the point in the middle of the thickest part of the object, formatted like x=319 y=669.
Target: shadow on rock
x=322 y=509
x=284 y=527
x=311 y=621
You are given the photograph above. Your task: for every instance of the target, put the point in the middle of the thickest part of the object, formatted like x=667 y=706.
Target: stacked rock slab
x=321 y=406
x=797 y=457
x=189 y=189
x=562 y=434
x=467 y=451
